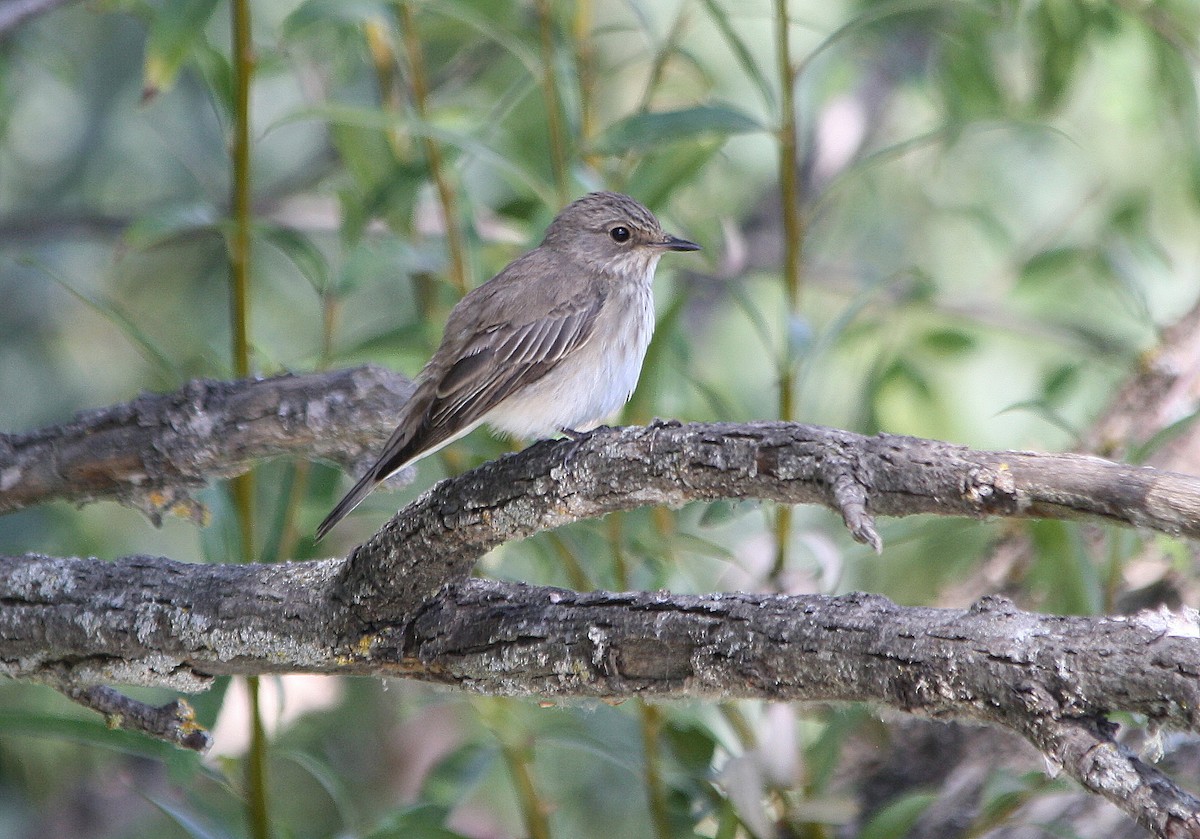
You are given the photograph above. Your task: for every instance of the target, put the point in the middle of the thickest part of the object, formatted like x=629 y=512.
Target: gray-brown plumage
x=552 y=343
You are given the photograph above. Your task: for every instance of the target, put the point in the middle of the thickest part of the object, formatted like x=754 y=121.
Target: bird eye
x=620 y=234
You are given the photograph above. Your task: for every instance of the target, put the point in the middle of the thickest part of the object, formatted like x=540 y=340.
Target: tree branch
x=149 y=452
x=402 y=603
x=437 y=538
x=157 y=622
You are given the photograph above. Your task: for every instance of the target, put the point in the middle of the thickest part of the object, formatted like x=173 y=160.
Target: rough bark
x=1151 y=417
x=150 y=452
x=402 y=604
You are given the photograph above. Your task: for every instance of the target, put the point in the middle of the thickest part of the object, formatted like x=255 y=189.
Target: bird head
x=613 y=233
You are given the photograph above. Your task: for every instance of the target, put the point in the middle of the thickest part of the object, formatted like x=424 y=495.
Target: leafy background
x=996 y=209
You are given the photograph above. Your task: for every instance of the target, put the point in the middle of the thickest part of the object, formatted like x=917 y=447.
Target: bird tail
x=351 y=500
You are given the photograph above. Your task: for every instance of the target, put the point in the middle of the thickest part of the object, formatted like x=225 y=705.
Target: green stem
x=256 y=766
x=576 y=574
x=239 y=264
x=239 y=249
x=659 y=66
x=415 y=56
x=558 y=149
x=660 y=817
x=585 y=69
x=537 y=826
x=793 y=245
x=615 y=524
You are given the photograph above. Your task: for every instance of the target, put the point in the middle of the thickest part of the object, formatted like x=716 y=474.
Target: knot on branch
x=992 y=490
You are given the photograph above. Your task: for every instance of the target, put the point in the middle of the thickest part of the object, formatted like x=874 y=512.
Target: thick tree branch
x=153 y=621
x=1154 y=408
x=149 y=452
x=401 y=604
x=438 y=537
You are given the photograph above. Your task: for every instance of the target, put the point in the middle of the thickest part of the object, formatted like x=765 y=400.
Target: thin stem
x=615 y=524
x=239 y=265
x=576 y=574
x=659 y=66
x=239 y=246
x=383 y=62
x=256 y=766
x=415 y=56
x=660 y=817
x=518 y=759
x=585 y=69
x=558 y=149
x=793 y=245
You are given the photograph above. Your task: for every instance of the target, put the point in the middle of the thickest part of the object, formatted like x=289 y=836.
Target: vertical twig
x=585 y=69
x=517 y=750
x=239 y=264
x=239 y=245
x=659 y=66
x=558 y=149
x=576 y=575
x=793 y=245
x=415 y=57
x=384 y=62
x=660 y=814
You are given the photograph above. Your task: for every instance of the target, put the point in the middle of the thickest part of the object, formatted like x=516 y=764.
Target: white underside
x=592 y=382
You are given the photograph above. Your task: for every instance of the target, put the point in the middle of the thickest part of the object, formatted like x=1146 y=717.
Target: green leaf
x=697 y=545
x=170 y=225
x=949 y=342
x=662 y=171
x=693 y=746
x=111 y=312
x=471 y=147
x=487 y=28
x=421 y=821
x=1142 y=451
x=1063 y=571
x=1054 y=263
x=175 y=29
x=460 y=771
x=187 y=819
x=909 y=377
x=213 y=65
x=335 y=785
x=1004 y=793
x=306 y=256
x=1058 y=29
x=1041 y=408
x=323 y=12
x=719 y=16
x=91 y=731
x=650 y=130
x=719 y=513
x=895 y=820
x=1061 y=381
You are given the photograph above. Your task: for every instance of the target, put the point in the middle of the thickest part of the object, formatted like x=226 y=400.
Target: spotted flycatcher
x=553 y=343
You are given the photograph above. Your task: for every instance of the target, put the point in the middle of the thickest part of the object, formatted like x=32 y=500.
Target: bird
x=552 y=344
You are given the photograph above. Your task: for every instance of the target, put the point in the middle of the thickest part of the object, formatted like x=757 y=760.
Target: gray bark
x=402 y=604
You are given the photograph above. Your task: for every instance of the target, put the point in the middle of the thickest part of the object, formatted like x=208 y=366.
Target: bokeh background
x=997 y=208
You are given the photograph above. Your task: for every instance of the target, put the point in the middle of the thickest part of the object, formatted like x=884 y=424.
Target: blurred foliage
x=1000 y=208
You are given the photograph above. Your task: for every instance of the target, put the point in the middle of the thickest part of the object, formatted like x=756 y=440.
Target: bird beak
x=674 y=243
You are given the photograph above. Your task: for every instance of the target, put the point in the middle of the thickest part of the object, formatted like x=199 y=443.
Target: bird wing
x=500 y=361
x=493 y=362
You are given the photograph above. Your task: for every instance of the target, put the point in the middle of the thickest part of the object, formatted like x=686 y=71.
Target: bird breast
x=594 y=380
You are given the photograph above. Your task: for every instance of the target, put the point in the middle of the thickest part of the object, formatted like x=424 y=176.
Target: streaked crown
x=611 y=232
